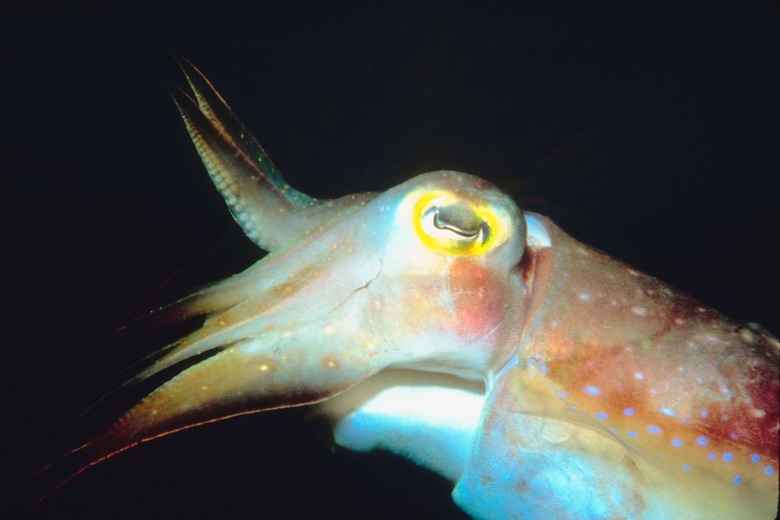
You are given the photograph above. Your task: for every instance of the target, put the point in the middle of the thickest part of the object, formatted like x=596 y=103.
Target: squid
x=440 y=322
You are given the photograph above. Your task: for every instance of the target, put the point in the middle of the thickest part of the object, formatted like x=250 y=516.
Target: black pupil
x=458 y=218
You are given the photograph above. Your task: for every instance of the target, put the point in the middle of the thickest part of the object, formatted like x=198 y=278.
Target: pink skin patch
x=478 y=296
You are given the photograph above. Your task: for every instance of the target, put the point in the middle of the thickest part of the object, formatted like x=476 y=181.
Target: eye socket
x=449 y=225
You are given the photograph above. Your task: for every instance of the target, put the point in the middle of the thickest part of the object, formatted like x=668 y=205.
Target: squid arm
x=440 y=322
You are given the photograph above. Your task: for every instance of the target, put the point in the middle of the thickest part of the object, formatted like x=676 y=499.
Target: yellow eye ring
x=450 y=225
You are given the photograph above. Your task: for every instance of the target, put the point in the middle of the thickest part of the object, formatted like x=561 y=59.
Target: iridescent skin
x=439 y=321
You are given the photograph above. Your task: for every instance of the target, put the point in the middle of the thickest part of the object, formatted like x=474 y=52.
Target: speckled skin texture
x=628 y=400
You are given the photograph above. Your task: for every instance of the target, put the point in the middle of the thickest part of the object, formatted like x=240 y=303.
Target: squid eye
x=454 y=226
x=457 y=220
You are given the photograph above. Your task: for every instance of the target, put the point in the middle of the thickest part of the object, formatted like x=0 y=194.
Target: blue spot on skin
x=544 y=368
x=755 y=458
x=592 y=390
x=655 y=430
x=768 y=470
x=628 y=411
x=737 y=479
x=601 y=415
x=676 y=442
x=711 y=456
x=631 y=434
x=702 y=441
x=727 y=457
x=563 y=394
x=667 y=411
x=687 y=467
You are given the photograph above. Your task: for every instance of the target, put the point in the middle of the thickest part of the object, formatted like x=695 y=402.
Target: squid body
x=440 y=322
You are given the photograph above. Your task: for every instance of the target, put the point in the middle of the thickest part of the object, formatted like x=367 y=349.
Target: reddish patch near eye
x=478 y=297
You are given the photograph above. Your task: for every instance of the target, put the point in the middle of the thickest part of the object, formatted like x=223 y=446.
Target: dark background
x=651 y=131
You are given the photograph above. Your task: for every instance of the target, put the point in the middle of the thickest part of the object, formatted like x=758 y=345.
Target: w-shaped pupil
x=458 y=218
